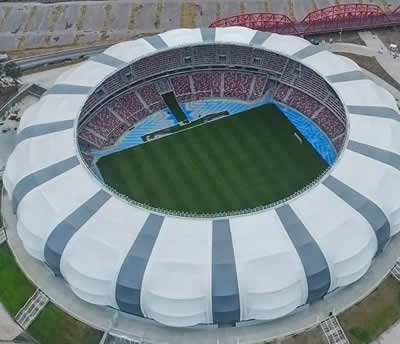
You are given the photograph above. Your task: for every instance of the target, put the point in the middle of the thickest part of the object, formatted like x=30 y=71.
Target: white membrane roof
x=187 y=271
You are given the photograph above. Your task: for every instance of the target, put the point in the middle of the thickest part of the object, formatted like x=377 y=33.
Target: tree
x=13 y=71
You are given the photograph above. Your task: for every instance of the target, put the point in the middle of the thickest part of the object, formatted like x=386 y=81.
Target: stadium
x=208 y=176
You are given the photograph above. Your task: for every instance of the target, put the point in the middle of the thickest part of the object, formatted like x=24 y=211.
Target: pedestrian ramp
x=31 y=309
x=396 y=271
x=333 y=331
x=3 y=236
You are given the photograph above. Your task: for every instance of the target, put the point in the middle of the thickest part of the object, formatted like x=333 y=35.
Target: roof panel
x=58 y=146
x=92 y=71
x=327 y=63
x=271 y=278
x=130 y=51
x=65 y=230
x=314 y=262
x=288 y=46
x=238 y=35
x=31 y=114
x=328 y=229
x=54 y=108
x=380 y=182
x=375 y=131
x=107 y=239
x=177 y=282
x=365 y=93
x=45 y=206
x=180 y=37
x=130 y=278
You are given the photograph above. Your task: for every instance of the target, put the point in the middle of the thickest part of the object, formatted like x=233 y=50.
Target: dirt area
x=6 y=94
x=368 y=319
x=5 y=97
x=347 y=37
x=313 y=336
x=372 y=65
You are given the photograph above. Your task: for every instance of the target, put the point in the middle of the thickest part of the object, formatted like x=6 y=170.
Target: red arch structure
x=396 y=12
x=330 y=19
x=272 y=22
x=344 y=17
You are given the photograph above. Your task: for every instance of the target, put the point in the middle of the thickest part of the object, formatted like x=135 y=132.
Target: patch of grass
x=15 y=288
x=361 y=334
x=238 y=162
x=55 y=326
x=373 y=66
x=1 y=215
x=365 y=321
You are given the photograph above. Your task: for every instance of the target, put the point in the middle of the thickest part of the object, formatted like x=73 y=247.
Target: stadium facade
x=183 y=271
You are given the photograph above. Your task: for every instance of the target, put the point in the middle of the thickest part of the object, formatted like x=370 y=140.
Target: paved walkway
x=32 y=308
x=383 y=55
x=8 y=327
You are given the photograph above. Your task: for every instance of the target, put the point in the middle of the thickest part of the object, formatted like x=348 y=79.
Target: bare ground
x=347 y=37
x=6 y=95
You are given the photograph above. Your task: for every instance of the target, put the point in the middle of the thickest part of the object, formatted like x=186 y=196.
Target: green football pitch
x=238 y=162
